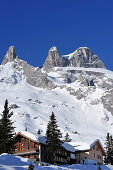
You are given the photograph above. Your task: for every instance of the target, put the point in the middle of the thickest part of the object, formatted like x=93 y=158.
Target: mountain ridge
x=80 y=97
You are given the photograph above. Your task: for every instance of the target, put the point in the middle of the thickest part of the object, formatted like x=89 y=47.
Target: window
x=56 y=158
x=23 y=140
x=93 y=147
x=62 y=160
x=97 y=149
x=94 y=155
x=34 y=145
x=98 y=156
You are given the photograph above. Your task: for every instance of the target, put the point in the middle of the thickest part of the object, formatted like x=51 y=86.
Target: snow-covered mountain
x=76 y=87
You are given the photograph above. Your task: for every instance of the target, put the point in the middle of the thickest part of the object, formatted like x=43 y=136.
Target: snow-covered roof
x=68 y=147
x=86 y=145
x=37 y=138
x=42 y=139
x=30 y=135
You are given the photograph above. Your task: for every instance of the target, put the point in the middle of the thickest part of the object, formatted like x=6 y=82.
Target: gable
x=19 y=135
x=98 y=147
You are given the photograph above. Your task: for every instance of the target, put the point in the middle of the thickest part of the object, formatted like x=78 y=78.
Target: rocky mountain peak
x=10 y=55
x=84 y=57
x=54 y=59
x=85 y=51
x=53 y=49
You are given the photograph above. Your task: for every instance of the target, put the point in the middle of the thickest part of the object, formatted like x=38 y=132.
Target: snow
x=68 y=147
x=42 y=139
x=10 y=162
x=30 y=135
x=53 y=48
x=71 y=54
x=108 y=73
x=37 y=138
x=83 y=121
x=86 y=145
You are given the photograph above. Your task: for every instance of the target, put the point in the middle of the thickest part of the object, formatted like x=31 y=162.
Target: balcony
x=26 y=152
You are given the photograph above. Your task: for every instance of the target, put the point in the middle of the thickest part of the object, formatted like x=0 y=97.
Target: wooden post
x=99 y=168
x=40 y=154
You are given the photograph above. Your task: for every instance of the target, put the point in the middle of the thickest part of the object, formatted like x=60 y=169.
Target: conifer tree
x=39 y=132
x=6 y=131
x=67 y=138
x=31 y=167
x=53 y=135
x=109 y=149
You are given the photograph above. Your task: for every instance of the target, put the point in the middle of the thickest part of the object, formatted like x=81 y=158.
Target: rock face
x=10 y=55
x=33 y=75
x=54 y=59
x=84 y=57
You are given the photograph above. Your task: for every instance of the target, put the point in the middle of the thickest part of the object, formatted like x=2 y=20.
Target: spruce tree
x=67 y=138
x=39 y=132
x=53 y=135
x=107 y=149
x=111 y=150
x=6 y=131
x=31 y=167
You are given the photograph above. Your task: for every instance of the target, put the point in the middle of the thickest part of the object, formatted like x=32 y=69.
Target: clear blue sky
x=33 y=26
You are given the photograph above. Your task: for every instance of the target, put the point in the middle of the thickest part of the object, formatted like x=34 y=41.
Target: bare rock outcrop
x=33 y=75
x=84 y=57
x=54 y=59
x=10 y=55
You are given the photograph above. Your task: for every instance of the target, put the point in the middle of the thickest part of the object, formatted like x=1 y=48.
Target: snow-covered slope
x=10 y=162
x=81 y=98
x=85 y=119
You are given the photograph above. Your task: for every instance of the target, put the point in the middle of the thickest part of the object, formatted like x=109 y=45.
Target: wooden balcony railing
x=26 y=151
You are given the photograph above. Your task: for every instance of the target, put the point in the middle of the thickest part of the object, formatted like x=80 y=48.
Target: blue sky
x=33 y=26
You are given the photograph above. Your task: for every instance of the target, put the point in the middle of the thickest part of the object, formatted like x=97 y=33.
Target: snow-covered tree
x=6 y=131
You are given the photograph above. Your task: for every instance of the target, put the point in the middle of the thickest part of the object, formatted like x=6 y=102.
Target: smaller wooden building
x=91 y=153
x=34 y=147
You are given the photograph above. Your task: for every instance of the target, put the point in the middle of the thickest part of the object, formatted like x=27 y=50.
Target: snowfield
x=85 y=122
x=10 y=162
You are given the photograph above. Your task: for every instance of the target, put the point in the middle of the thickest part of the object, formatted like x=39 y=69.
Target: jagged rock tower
x=10 y=55
x=82 y=57
x=54 y=59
